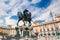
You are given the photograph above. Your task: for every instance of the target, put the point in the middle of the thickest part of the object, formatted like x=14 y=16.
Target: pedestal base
x=25 y=33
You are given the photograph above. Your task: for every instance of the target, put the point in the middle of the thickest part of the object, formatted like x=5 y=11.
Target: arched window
x=56 y=28
x=41 y=34
x=47 y=29
x=53 y=34
x=49 y=34
x=44 y=34
x=52 y=29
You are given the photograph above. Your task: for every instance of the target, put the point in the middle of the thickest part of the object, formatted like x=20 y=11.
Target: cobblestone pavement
x=38 y=39
x=41 y=38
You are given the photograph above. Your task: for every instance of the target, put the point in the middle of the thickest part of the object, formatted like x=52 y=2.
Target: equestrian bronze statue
x=25 y=17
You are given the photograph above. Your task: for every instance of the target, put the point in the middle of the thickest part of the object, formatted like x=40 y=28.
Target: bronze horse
x=25 y=17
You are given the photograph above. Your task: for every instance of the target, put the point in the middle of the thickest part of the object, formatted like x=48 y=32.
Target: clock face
x=21 y=23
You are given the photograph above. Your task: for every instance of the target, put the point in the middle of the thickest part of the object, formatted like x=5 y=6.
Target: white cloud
x=10 y=21
x=54 y=7
x=14 y=11
x=40 y=14
x=25 y=2
x=35 y=11
x=1 y=21
x=35 y=1
x=3 y=5
x=2 y=13
x=13 y=22
x=12 y=6
x=13 y=2
x=43 y=16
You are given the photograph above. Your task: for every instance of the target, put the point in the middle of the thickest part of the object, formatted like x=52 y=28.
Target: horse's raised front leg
x=29 y=23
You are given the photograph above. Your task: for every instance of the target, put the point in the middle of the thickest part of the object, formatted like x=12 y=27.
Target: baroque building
x=48 y=28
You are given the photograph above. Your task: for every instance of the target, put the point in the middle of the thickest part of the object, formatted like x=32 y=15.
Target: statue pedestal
x=25 y=33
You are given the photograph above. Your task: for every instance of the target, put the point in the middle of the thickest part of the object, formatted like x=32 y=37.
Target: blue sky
x=40 y=10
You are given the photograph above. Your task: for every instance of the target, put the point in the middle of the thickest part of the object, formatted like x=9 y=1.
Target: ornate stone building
x=48 y=28
x=7 y=31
